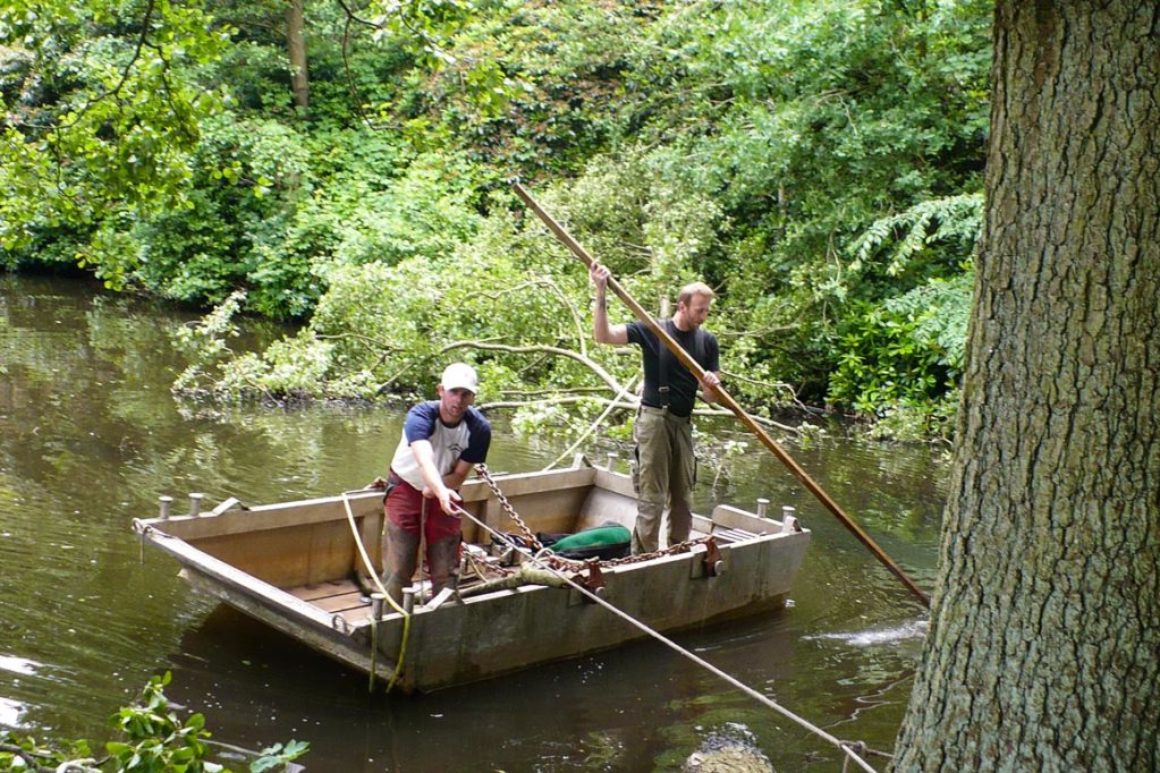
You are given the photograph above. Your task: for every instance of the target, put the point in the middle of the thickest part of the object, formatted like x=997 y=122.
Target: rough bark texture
x=1044 y=645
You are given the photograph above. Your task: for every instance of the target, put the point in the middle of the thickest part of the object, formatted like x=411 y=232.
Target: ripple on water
x=877 y=636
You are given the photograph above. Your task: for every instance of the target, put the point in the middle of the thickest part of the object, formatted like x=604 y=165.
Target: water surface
x=90 y=436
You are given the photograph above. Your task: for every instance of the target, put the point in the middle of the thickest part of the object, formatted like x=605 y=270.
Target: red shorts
x=406 y=507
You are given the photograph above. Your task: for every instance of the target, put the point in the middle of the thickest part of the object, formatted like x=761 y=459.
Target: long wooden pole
x=725 y=398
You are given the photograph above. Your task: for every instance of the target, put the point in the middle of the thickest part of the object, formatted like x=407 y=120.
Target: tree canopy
x=819 y=164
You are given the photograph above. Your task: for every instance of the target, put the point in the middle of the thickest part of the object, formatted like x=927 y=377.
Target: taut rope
x=847 y=747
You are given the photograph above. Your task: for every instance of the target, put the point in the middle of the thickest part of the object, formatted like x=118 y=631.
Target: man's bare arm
x=425 y=456
x=602 y=332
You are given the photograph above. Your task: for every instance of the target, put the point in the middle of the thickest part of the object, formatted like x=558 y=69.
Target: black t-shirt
x=682 y=385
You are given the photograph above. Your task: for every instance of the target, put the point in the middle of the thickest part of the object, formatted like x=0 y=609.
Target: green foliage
x=206 y=345
x=269 y=217
x=808 y=123
x=926 y=421
x=518 y=86
x=908 y=352
x=382 y=326
x=277 y=757
x=27 y=753
x=955 y=222
x=818 y=163
x=496 y=300
x=154 y=739
x=904 y=355
x=644 y=225
x=98 y=129
x=251 y=175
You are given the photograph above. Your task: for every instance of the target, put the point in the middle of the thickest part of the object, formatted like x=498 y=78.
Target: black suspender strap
x=663 y=356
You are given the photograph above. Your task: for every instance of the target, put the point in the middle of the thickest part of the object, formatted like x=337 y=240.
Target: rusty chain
x=560 y=562
x=506 y=506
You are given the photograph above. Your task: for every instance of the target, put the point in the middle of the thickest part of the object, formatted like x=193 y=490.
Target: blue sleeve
x=420 y=423
x=479 y=439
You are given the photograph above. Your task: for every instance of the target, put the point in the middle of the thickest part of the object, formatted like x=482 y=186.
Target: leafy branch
x=152 y=738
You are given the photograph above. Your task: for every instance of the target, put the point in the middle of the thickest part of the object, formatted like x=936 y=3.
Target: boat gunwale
x=204 y=563
x=693 y=553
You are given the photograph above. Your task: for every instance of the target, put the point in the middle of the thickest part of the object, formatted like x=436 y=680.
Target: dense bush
x=818 y=163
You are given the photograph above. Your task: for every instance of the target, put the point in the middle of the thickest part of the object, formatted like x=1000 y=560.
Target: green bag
x=606 y=541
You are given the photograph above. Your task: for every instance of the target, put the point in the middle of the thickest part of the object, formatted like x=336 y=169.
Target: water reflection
x=90 y=436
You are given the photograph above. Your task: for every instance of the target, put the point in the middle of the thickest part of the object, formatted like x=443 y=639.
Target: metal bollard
x=612 y=455
x=377 y=600
x=166 y=501
x=789 y=521
x=409 y=599
x=762 y=507
x=195 y=505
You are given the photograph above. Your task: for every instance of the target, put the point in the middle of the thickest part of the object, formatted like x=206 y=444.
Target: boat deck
x=342 y=596
x=333 y=597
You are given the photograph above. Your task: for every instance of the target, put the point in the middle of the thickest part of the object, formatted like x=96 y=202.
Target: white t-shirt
x=466 y=441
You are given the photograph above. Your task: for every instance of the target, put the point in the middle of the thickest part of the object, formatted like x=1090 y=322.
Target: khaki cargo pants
x=665 y=477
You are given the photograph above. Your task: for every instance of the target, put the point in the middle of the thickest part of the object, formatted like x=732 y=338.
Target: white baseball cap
x=460 y=375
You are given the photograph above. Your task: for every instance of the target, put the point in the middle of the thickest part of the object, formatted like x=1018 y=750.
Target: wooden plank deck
x=332 y=597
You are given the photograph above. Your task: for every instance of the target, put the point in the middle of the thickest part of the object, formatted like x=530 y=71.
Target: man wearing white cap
x=441 y=441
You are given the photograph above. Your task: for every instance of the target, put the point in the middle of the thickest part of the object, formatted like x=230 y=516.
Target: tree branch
x=581 y=335
x=352 y=16
x=596 y=368
x=592 y=427
x=116 y=90
x=584 y=360
x=560 y=400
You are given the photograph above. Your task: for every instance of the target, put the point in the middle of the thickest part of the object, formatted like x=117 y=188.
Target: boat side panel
x=543 y=497
x=293 y=555
x=508 y=630
x=515 y=486
x=339 y=640
x=602 y=505
x=553 y=511
x=736 y=518
x=616 y=482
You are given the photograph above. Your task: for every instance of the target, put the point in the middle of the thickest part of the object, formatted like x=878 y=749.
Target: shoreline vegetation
x=818 y=164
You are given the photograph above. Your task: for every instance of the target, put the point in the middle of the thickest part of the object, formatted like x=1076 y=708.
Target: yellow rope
x=362 y=551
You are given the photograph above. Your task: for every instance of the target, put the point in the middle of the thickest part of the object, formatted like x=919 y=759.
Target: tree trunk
x=1043 y=646
x=296 y=47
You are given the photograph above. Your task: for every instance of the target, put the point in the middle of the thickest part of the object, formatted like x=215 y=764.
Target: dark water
x=90 y=436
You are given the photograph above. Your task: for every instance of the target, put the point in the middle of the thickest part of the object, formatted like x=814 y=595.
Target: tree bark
x=296 y=49
x=1043 y=646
